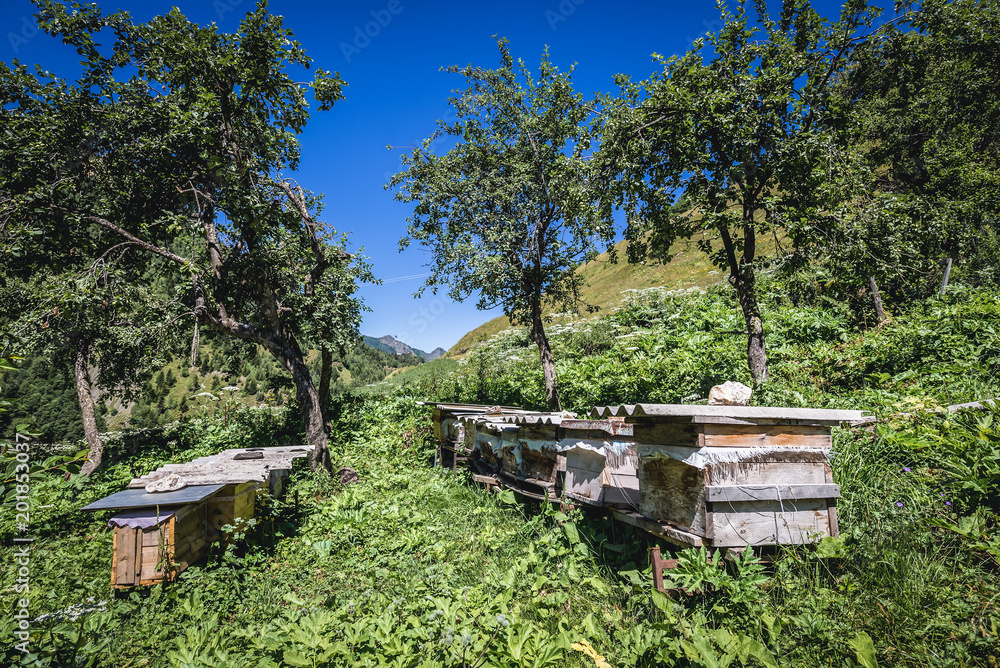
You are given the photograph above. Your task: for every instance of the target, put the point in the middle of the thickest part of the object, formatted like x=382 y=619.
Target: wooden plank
x=150 y=558
x=745 y=436
x=666 y=433
x=739 y=524
x=732 y=493
x=665 y=531
x=114 y=558
x=806 y=468
x=672 y=492
x=126 y=555
x=831 y=511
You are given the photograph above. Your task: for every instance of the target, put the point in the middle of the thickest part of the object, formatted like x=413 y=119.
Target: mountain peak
x=392 y=345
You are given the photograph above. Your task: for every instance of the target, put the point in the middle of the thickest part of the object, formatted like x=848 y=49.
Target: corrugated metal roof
x=139 y=498
x=474 y=409
x=686 y=413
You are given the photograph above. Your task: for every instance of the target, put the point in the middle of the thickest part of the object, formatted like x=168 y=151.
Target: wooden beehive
x=601 y=463
x=737 y=475
x=538 y=456
x=232 y=506
x=446 y=418
x=148 y=556
x=486 y=438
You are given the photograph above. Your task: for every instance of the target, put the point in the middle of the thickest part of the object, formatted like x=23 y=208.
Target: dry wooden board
x=792 y=522
x=735 y=493
x=773 y=436
x=601 y=479
x=225 y=469
x=233 y=503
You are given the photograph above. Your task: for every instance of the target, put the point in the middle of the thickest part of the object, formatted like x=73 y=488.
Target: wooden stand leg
x=654 y=555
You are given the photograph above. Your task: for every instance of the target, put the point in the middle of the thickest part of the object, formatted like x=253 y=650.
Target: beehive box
x=490 y=439
x=737 y=475
x=148 y=555
x=601 y=463
x=232 y=506
x=537 y=453
x=448 y=418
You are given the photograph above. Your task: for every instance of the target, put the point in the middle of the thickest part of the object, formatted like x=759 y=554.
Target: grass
x=415 y=567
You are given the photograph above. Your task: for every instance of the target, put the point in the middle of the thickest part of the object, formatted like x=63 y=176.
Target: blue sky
x=390 y=52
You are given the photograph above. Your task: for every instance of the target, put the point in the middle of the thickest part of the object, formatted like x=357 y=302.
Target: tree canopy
x=171 y=148
x=512 y=209
x=742 y=125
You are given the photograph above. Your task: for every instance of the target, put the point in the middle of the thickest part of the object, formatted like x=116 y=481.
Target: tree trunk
x=548 y=362
x=83 y=388
x=325 y=372
x=195 y=341
x=756 y=351
x=309 y=403
x=877 y=298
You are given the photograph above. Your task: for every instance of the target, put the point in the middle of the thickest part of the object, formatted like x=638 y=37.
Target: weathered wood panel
x=232 y=503
x=807 y=468
x=776 y=492
x=673 y=492
x=127 y=549
x=769 y=522
x=667 y=433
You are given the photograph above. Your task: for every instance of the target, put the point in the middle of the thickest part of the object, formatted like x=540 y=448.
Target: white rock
x=729 y=394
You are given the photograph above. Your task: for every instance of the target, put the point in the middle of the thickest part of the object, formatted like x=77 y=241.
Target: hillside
x=393 y=346
x=605 y=283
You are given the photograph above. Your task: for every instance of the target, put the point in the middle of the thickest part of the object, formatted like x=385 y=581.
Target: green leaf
x=296 y=658
x=662 y=601
x=864 y=650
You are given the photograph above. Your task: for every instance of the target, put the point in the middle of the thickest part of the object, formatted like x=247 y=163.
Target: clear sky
x=390 y=52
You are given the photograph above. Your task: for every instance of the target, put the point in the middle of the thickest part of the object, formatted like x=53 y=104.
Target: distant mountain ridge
x=393 y=346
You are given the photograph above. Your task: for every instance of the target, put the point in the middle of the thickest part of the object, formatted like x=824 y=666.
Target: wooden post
x=654 y=555
x=877 y=298
x=947 y=273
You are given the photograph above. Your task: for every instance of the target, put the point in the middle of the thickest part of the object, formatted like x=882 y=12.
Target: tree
x=174 y=150
x=510 y=211
x=746 y=134
x=926 y=132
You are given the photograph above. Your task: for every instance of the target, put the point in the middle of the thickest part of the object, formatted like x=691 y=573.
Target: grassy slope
x=606 y=281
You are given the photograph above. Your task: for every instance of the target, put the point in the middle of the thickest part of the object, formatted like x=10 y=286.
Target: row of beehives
x=726 y=476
